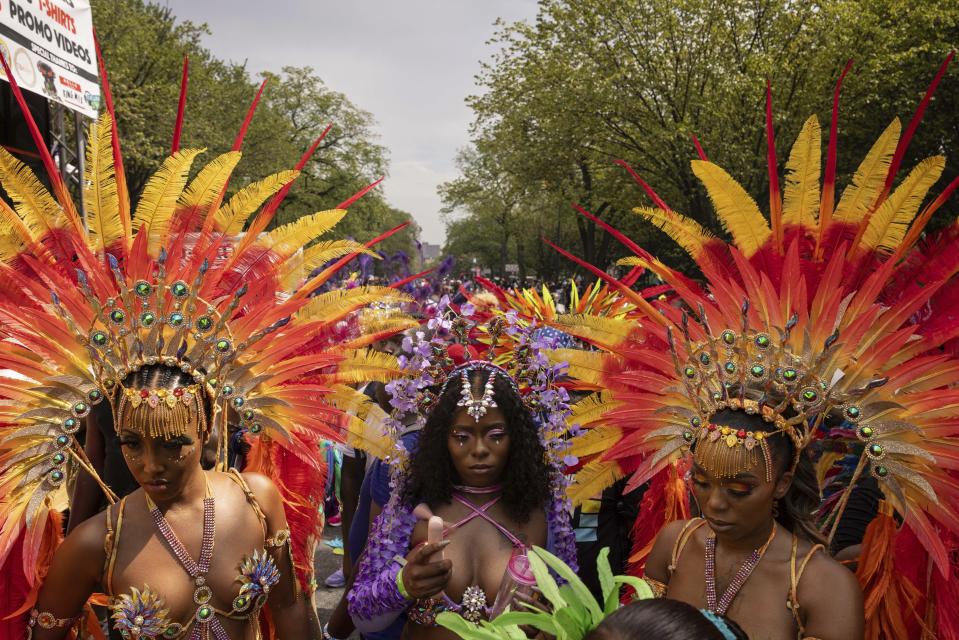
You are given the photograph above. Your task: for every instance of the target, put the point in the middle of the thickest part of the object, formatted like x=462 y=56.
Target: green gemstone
x=689 y=372
x=866 y=432
x=59 y=458
x=213 y=382
x=256 y=428
x=80 y=407
x=204 y=612
x=688 y=436
x=117 y=316
x=729 y=337
x=222 y=345
x=176 y=319
x=56 y=475
x=63 y=441
x=852 y=412
x=70 y=423
x=704 y=358
x=238 y=402
x=109 y=383
x=99 y=338
x=762 y=341
x=227 y=390
x=730 y=367
x=875 y=449
x=248 y=414
x=758 y=371
x=809 y=395
x=696 y=421
x=95 y=395
x=147 y=318
x=142 y=288
x=169 y=633
x=717 y=396
x=882 y=471
x=790 y=374
x=179 y=289
x=204 y=323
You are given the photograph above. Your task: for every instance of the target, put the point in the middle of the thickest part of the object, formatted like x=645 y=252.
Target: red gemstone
x=144 y=393
x=711 y=427
x=741 y=434
x=178 y=392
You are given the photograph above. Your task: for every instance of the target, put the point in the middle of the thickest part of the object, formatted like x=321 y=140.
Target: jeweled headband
x=478 y=407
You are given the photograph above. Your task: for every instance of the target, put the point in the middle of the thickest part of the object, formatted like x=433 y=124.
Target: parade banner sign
x=48 y=45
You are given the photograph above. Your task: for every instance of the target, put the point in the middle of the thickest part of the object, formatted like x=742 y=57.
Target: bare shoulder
x=830 y=599
x=657 y=565
x=84 y=545
x=266 y=492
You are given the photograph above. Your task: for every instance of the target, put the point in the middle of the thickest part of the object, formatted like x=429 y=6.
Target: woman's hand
x=422 y=576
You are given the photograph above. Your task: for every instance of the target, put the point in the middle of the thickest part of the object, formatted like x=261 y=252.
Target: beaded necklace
x=738 y=580
x=204 y=619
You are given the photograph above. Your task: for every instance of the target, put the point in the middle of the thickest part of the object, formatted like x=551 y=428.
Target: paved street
x=326 y=563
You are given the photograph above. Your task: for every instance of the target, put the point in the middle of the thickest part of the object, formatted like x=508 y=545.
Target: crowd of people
x=765 y=449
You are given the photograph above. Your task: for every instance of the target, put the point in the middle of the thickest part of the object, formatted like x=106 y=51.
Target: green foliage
x=144 y=46
x=591 y=81
x=572 y=610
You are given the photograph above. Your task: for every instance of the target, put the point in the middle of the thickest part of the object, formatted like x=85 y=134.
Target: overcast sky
x=408 y=62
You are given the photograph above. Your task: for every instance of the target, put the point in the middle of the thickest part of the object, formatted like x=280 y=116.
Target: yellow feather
x=585 y=366
x=592 y=409
x=801 y=194
x=33 y=203
x=100 y=190
x=592 y=479
x=333 y=305
x=232 y=216
x=869 y=178
x=158 y=202
x=374 y=325
x=206 y=189
x=735 y=208
x=888 y=225
x=686 y=232
x=595 y=441
x=15 y=236
x=288 y=239
x=605 y=331
x=365 y=365
x=317 y=255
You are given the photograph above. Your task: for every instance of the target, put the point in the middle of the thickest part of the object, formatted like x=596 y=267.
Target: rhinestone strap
x=195 y=569
x=738 y=581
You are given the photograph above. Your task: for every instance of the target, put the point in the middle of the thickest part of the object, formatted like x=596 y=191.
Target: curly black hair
x=526 y=479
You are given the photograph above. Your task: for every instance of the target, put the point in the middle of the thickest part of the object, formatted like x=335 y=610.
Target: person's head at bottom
x=664 y=619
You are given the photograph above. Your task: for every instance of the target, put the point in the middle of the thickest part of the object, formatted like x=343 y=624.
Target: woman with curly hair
x=481 y=467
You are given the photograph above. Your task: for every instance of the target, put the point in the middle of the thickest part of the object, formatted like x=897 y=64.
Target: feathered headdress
x=809 y=318
x=174 y=281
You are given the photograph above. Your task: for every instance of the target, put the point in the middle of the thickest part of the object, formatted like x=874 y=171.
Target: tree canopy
x=592 y=81
x=144 y=46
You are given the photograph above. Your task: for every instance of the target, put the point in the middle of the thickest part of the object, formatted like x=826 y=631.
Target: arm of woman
x=834 y=612
x=292 y=612
x=74 y=575
x=657 y=563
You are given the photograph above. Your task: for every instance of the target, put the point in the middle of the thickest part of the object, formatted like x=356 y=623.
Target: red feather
x=181 y=107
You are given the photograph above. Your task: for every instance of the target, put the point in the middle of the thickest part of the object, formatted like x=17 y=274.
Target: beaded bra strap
x=795 y=576
x=687 y=532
